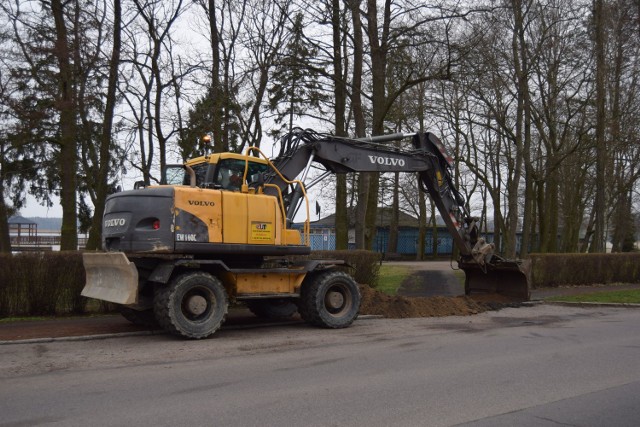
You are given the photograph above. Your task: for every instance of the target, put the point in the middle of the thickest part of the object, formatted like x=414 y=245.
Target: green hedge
x=50 y=283
x=550 y=270
x=46 y=283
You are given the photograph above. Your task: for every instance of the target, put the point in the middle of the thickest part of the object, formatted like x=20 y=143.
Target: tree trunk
x=422 y=223
x=378 y=46
x=340 y=95
x=549 y=214
x=68 y=159
x=527 y=216
x=342 y=218
x=358 y=118
x=392 y=246
x=361 y=212
x=513 y=184
x=598 y=244
x=498 y=224
x=216 y=86
x=94 y=241
x=5 y=239
x=371 y=214
x=434 y=231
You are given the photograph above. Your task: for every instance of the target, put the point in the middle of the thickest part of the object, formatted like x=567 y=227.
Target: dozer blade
x=505 y=277
x=110 y=277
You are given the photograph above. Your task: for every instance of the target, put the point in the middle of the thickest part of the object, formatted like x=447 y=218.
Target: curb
x=154 y=332
x=592 y=304
x=80 y=337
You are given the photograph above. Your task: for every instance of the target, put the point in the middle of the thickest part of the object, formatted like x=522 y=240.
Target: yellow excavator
x=219 y=229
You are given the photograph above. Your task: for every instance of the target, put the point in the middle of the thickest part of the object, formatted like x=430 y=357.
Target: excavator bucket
x=110 y=277
x=511 y=278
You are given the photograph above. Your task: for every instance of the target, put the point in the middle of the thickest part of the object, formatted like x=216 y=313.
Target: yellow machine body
x=230 y=217
x=209 y=214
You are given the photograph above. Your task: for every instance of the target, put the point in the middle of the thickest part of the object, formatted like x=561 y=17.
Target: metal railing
x=36 y=241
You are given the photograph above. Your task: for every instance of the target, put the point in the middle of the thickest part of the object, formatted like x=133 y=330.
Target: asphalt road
x=544 y=365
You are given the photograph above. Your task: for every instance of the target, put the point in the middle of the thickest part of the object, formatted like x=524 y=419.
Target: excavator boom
x=484 y=270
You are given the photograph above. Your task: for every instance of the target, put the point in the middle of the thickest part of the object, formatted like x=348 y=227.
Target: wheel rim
x=197 y=304
x=338 y=300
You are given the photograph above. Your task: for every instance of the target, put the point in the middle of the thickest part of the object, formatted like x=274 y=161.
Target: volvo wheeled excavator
x=219 y=228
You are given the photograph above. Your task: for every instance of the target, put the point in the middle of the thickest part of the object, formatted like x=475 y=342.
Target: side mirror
x=138 y=185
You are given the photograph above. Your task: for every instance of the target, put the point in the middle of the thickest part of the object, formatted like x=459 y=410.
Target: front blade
x=110 y=277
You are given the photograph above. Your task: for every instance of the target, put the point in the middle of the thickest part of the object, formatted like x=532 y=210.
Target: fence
x=407 y=241
x=21 y=243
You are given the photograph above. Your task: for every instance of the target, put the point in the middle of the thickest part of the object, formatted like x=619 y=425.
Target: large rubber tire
x=275 y=308
x=139 y=317
x=193 y=305
x=329 y=299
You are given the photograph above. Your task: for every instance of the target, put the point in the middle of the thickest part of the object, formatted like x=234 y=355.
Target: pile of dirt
x=399 y=307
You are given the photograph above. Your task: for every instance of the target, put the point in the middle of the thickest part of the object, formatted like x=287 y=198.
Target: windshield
x=230 y=171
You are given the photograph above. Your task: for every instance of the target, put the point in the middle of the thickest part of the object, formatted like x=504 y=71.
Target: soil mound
x=399 y=307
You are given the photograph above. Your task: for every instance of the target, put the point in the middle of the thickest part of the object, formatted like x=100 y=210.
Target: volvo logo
x=201 y=203
x=115 y=222
x=386 y=161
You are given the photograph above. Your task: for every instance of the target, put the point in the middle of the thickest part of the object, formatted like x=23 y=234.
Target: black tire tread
x=310 y=308
x=167 y=318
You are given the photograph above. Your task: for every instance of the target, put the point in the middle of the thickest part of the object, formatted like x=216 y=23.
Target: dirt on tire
x=399 y=307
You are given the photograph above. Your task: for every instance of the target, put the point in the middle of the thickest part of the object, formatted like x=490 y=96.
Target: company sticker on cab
x=261 y=230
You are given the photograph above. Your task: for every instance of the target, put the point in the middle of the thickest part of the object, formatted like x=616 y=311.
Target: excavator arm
x=303 y=149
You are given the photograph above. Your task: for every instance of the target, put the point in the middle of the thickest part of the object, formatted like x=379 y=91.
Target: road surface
x=542 y=365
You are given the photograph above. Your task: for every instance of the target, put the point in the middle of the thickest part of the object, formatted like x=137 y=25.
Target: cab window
x=230 y=172
x=178 y=175
x=201 y=174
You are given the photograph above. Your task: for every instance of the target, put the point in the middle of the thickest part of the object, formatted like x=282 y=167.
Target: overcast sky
x=33 y=209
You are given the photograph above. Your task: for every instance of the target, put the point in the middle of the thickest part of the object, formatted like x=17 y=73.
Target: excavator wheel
x=276 y=308
x=193 y=305
x=329 y=299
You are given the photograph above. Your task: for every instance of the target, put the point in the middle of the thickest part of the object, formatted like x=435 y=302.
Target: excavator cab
x=218 y=171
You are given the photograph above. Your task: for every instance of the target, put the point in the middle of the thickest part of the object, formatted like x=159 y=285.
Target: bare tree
x=106 y=140
x=147 y=66
x=598 y=243
x=338 y=27
x=623 y=109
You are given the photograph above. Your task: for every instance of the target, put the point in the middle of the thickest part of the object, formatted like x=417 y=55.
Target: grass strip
x=391 y=277
x=631 y=296
x=23 y=319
